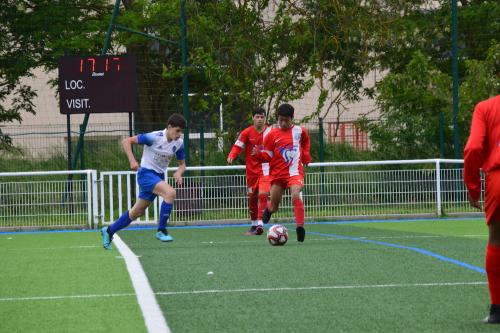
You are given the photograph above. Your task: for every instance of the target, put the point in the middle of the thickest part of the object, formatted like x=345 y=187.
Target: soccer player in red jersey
x=286 y=148
x=482 y=151
x=257 y=173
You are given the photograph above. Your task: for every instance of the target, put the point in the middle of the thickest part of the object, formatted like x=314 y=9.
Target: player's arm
x=474 y=156
x=127 y=147
x=181 y=158
x=238 y=146
x=180 y=171
x=265 y=155
x=305 y=142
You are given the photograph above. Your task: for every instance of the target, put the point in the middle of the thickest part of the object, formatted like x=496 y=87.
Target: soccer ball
x=277 y=235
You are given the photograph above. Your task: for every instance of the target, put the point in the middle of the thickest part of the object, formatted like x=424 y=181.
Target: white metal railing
x=48 y=199
x=217 y=194
x=332 y=190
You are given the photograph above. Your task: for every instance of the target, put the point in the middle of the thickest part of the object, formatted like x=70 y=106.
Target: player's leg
x=123 y=221
x=168 y=194
x=276 y=193
x=492 y=258
x=253 y=210
x=298 y=210
x=263 y=197
x=492 y=261
x=253 y=203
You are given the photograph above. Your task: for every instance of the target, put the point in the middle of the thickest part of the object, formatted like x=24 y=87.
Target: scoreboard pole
x=185 y=82
x=107 y=42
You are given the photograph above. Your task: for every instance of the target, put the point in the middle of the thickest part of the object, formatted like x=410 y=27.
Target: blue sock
x=122 y=222
x=165 y=210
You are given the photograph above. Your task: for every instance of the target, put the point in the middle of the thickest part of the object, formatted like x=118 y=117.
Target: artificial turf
x=64 y=282
x=346 y=277
x=325 y=284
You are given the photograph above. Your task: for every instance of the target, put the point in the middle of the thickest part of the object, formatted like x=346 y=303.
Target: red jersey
x=287 y=150
x=483 y=146
x=248 y=139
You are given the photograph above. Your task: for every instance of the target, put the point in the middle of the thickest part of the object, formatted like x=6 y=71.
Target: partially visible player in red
x=287 y=150
x=483 y=152
x=257 y=173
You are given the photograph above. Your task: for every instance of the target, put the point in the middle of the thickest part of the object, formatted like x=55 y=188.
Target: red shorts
x=492 y=198
x=288 y=181
x=259 y=184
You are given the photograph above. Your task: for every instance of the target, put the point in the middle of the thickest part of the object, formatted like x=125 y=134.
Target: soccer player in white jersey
x=159 y=148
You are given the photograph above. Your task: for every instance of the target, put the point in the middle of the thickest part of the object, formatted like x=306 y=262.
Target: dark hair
x=258 y=110
x=176 y=120
x=285 y=110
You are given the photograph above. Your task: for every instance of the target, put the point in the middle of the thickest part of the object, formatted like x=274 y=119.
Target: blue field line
x=419 y=219
x=215 y=226
x=411 y=248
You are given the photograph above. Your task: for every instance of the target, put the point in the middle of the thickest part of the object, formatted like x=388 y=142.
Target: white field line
x=367 y=286
x=50 y=298
x=153 y=316
x=77 y=247
x=221 y=291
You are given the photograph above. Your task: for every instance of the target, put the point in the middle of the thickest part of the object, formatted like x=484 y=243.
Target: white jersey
x=158 y=151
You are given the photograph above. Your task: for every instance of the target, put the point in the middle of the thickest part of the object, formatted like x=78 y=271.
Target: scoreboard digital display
x=97 y=84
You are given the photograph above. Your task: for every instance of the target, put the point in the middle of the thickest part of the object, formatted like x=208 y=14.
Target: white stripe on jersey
x=265 y=166
x=239 y=144
x=296 y=134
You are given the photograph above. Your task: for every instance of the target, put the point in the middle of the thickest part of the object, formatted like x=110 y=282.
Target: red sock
x=298 y=209
x=493 y=272
x=253 y=206
x=262 y=205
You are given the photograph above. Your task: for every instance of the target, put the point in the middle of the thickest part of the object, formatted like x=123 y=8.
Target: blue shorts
x=147 y=180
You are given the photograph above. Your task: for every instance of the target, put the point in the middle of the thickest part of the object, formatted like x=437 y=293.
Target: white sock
x=259 y=222
x=254 y=223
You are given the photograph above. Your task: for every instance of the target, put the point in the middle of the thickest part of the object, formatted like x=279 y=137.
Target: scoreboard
x=97 y=84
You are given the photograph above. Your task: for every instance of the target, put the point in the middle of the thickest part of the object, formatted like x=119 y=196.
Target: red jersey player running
x=287 y=149
x=483 y=152
x=257 y=172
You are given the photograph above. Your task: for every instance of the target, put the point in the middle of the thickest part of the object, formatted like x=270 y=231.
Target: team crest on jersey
x=288 y=153
x=174 y=148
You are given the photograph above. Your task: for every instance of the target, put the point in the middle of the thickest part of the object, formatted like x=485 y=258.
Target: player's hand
x=475 y=203
x=134 y=165
x=229 y=160
x=178 y=178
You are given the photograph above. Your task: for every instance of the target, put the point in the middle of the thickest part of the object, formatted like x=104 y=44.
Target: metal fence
x=217 y=194
x=50 y=199
x=45 y=147
x=342 y=190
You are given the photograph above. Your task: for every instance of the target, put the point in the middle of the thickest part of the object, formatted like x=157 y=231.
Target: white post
x=102 y=198
x=90 y=185
x=95 y=198
x=438 y=187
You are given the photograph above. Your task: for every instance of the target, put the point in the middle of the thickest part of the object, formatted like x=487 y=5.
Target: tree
x=410 y=104
x=421 y=31
x=481 y=81
x=34 y=34
x=337 y=44
x=236 y=58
